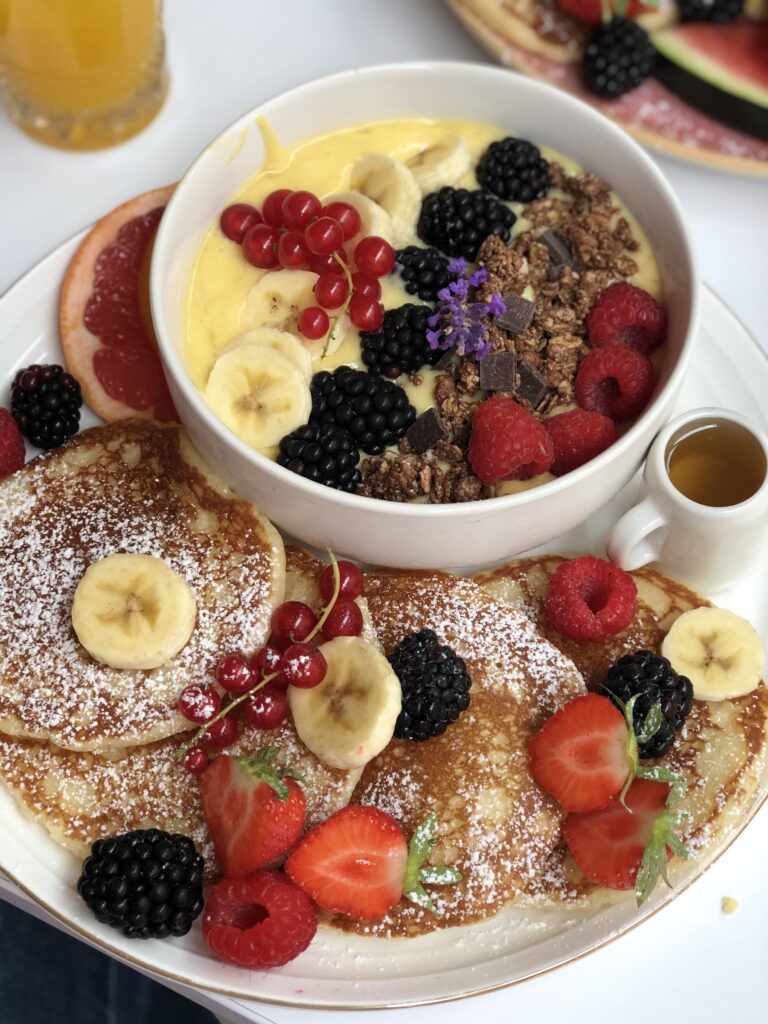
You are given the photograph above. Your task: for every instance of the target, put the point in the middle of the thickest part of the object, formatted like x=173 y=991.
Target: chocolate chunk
x=445 y=360
x=498 y=371
x=560 y=254
x=533 y=386
x=518 y=315
x=426 y=431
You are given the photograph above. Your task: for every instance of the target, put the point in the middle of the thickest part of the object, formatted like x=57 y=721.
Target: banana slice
x=719 y=651
x=444 y=163
x=350 y=717
x=374 y=219
x=279 y=296
x=133 y=611
x=392 y=185
x=259 y=394
x=281 y=341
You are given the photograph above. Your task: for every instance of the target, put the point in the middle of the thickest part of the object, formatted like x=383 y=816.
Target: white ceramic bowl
x=387 y=533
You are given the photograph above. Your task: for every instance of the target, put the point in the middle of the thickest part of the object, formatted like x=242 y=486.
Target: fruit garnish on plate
x=435 y=685
x=589 y=599
x=359 y=864
x=12 y=450
x=106 y=329
x=46 y=402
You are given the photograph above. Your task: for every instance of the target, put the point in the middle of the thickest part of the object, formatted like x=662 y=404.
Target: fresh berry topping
x=629 y=316
x=45 y=402
x=222 y=733
x=331 y=290
x=12 y=451
x=237 y=219
x=366 y=285
x=400 y=345
x=346 y=216
x=314 y=322
x=365 y=312
x=589 y=599
x=579 y=755
x=299 y=208
x=260 y=246
x=458 y=221
x=148 y=884
x=615 y=381
x=272 y=208
x=374 y=256
x=608 y=844
x=344 y=619
x=374 y=411
x=619 y=57
x=353 y=863
x=435 y=684
x=515 y=170
x=326 y=454
x=578 y=436
x=234 y=673
x=254 y=810
x=266 y=661
x=258 y=922
x=292 y=622
x=592 y=10
x=268 y=707
x=350 y=580
x=199 y=704
x=652 y=679
x=292 y=251
x=507 y=442
x=719 y=11
x=323 y=236
x=304 y=666
x=424 y=271
x=196 y=760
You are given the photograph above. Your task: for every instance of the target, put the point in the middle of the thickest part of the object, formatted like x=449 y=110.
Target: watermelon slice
x=104 y=320
x=720 y=69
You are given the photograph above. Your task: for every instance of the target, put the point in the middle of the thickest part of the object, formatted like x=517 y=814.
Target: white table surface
x=690 y=962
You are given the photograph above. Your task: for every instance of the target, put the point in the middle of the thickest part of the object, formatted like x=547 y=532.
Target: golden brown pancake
x=132 y=486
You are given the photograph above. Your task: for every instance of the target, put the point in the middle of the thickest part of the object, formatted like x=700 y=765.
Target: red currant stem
x=345 y=307
x=334 y=596
x=223 y=713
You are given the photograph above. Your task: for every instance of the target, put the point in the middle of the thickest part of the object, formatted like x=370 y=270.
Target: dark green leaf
x=651 y=725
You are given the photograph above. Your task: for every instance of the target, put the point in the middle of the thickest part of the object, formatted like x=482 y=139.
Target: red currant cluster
x=260 y=683
x=295 y=231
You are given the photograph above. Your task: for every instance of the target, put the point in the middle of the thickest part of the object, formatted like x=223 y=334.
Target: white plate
x=342 y=971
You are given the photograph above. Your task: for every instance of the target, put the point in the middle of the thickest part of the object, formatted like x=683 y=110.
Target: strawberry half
x=610 y=845
x=579 y=756
x=254 y=810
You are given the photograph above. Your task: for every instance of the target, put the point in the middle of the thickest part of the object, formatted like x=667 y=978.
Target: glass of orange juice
x=82 y=74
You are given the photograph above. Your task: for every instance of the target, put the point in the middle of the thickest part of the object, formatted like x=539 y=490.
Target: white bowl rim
x=435 y=511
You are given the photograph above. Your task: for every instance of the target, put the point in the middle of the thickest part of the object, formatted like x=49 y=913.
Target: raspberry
x=507 y=443
x=12 y=451
x=589 y=599
x=628 y=316
x=577 y=437
x=262 y=920
x=616 y=381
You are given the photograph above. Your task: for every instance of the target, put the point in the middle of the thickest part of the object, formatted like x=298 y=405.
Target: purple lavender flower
x=458 y=323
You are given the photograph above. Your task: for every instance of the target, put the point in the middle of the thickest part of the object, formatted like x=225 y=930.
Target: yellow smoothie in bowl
x=496 y=258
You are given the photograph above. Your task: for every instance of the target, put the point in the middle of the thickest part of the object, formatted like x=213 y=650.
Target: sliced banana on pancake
x=392 y=185
x=443 y=163
x=719 y=651
x=350 y=717
x=281 y=341
x=133 y=611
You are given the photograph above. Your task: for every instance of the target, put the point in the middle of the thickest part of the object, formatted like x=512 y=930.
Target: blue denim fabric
x=47 y=977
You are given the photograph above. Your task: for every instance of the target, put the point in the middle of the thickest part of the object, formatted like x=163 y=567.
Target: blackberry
x=374 y=411
x=435 y=685
x=149 y=884
x=327 y=455
x=400 y=344
x=46 y=402
x=619 y=57
x=515 y=170
x=458 y=221
x=720 y=11
x=654 y=679
x=424 y=271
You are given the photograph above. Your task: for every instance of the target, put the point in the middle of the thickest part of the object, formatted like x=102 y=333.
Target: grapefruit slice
x=106 y=331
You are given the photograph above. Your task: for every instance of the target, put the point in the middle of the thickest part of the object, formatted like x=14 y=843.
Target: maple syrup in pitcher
x=716 y=463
